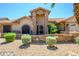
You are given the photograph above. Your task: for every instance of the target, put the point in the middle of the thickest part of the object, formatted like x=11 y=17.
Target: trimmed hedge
x=26 y=39
x=10 y=37
x=51 y=40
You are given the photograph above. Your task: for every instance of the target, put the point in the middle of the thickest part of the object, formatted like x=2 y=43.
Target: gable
x=21 y=19
x=40 y=8
x=71 y=19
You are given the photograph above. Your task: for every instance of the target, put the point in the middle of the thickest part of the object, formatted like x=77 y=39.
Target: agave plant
x=75 y=10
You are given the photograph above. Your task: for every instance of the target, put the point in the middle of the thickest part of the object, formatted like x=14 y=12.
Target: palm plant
x=51 y=6
x=76 y=10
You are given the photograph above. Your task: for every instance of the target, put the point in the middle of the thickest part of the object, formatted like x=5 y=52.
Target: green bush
x=9 y=37
x=77 y=40
x=51 y=40
x=26 y=39
x=52 y=28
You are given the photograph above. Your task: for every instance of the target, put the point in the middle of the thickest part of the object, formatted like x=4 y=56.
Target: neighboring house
x=37 y=23
x=72 y=24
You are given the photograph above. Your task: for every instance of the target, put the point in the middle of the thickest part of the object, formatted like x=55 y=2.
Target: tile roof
x=56 y=20
x=49 y=19
x=28 y=17
x=38 y=9
x=5 y=21
x=71 y=19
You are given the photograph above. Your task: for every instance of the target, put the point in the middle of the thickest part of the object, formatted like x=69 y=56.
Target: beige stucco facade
x=72 y=24
x=38 y=18
x=25 y=21
x=37 y=23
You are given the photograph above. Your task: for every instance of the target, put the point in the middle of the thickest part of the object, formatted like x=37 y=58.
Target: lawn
x=37 y=49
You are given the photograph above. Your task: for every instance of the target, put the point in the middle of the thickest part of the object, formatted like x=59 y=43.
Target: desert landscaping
x=40 y=35
x=37 y=49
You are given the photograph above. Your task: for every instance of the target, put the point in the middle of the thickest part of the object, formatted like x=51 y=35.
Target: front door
x=25 y=29
x=40 y=29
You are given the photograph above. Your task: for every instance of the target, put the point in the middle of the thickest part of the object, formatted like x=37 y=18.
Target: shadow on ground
x=24 y=46
x=65 y=42
x=52 y=48
x=4 y=43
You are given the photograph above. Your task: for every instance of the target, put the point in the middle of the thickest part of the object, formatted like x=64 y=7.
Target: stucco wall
x=40 y=20
x=18 y=27
x=1 y=28
x=72 y=25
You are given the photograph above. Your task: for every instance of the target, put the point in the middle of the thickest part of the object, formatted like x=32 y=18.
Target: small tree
x=52 y=28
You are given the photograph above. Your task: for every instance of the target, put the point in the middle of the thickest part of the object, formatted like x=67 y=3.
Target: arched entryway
x=40 y=29
x=25 y=29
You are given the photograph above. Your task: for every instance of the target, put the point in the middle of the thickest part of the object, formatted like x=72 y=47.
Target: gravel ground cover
x=37 y=49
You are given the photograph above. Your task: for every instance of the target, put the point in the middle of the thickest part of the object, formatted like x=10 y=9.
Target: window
x=6 y=28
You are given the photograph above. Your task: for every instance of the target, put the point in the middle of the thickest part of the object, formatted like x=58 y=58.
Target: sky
x=17 y=10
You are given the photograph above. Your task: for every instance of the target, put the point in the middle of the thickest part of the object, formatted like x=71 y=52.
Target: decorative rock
x=7 y=53
x=70 y=53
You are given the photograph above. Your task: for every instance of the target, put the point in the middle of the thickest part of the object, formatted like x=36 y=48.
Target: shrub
x=9 y=37
x=52 y=28
x=51 y=40
x=26 y=39
x=77 y=40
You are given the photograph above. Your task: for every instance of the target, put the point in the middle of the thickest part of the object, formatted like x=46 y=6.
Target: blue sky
x=17 y=10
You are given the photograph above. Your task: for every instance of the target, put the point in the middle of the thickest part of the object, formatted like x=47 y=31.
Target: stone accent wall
x=76 y=34
x=61 y=37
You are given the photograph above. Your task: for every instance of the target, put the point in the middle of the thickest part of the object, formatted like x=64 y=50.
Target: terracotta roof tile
x=38 y=9
x=28 y=17
x=71 y=19
x=56 y=20
x=5 y=21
